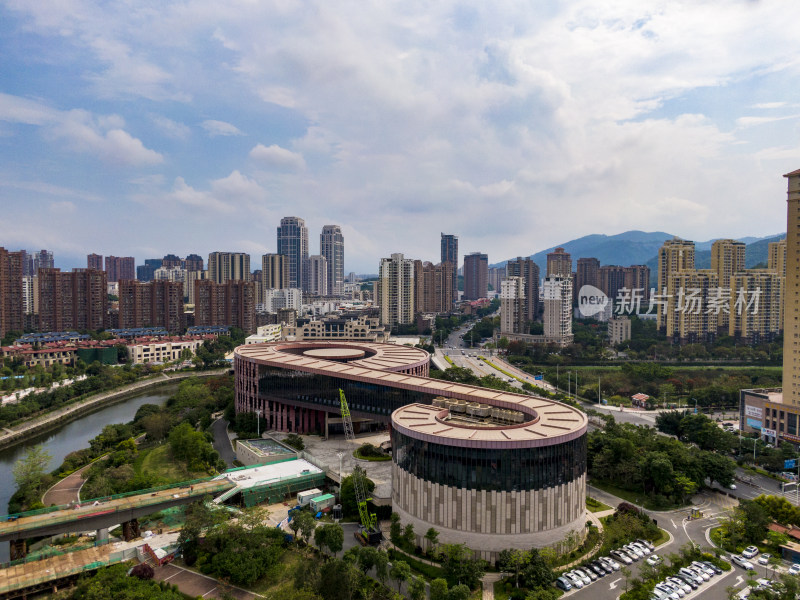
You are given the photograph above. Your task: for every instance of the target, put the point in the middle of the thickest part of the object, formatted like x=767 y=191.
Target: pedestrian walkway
x=488 y=582
x=195 y=584
x=67 y=490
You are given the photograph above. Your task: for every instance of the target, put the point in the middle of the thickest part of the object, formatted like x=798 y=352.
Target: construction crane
x=370 y=533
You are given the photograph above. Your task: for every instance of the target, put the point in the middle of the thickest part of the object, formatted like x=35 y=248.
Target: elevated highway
x=101 y=514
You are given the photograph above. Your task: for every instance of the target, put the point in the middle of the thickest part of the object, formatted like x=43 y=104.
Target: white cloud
x=215 y=128
x=100 y=135
x=170 y=128
x=117 y=146
x=275 y=156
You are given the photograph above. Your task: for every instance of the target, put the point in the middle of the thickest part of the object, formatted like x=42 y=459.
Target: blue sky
x=142 y=128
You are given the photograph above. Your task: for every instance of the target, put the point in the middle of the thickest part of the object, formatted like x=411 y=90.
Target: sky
x=140 y=128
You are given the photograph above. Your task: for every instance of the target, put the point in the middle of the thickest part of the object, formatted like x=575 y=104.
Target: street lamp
x=258 y=422
x=340 y=454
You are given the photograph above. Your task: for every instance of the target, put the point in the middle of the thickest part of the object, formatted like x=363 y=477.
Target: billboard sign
x=769 y=432
x=753 y=411
x=754 y=423
x=790 y=464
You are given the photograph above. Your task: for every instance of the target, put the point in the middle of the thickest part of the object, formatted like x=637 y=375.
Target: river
x=72 y=436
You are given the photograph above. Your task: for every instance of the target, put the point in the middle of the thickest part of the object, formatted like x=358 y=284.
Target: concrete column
x=19 y=549
x=102 y=535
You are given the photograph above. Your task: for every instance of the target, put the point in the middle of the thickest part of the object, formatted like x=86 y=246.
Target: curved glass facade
x=516 y=469
x=367 y=399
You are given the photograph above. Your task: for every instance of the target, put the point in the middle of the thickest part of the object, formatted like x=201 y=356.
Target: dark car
x=711 y=566
x=600 y=572
x=600 y=565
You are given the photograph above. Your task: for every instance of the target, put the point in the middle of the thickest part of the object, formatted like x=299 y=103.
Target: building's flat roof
x=265 y=474
x=556 y=423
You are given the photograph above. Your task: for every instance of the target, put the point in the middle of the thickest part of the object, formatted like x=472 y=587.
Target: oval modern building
x=487 y=468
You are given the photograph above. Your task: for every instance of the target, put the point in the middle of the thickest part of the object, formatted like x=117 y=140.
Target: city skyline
x=143 y=134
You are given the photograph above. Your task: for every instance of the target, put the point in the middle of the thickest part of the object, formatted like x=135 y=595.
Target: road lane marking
x=673 y=523
x=613 y=584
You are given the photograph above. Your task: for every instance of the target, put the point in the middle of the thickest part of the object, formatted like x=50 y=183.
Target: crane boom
x=368 y=520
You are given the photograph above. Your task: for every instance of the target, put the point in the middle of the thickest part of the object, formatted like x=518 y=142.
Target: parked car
x=610 y=562
x=794 y=569
x=764 y=558
x=653 y=559
x=621 y=556
x=670 y=593
x=750 y=552
x=646 y=544
x=680 y=583
x=703 y=567
x=689 y=580
x=675 y=588
x=743 y=562
x=691 y=574
x=641 y=547
x=584 y=577
x=603 y=568
x=563 y=583
x=633 y=551
x=701 y=573
x=576 y=581
x=587 y=573
x=598 y=570
x=713 y=567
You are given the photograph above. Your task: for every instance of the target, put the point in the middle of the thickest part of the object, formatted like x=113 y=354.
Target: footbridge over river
x=102 y=513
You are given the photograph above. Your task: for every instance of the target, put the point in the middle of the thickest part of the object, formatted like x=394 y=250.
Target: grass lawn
x=159 y=461
x=594 y=506
x=637 y=498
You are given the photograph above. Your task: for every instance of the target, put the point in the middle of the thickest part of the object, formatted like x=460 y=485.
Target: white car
x=675 y=588
x=633 y=551
x=764 y=558
x=670 y=593
x=750 y=552
x=700 y=573
x=680 y=583
x=587 y=573
x=641 y=547
x=576 y=581
x=584 y=577
x=619 y=554
x=703 y=567
x=610 y=562
x=742 y=562
x=691 y=575
x=794 y=569
x=653 y=560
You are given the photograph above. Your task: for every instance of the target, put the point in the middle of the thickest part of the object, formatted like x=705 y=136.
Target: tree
x=512 y=561
x=438 y=589
x=458 y=592
x=400 y=572
x=416 y=589
x=330 y=536
x=536 y=573
x=305 y=524
x=382 y=566
x=295 y=441
x=30 y=469
x=395 y=529
x=432 y=535
x=408 y=535
x=460 y=567
x=338 y=580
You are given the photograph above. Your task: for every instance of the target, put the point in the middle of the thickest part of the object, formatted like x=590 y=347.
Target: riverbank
x=19 y=433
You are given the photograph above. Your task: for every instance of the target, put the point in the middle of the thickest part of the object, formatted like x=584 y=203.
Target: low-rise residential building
x=165 y=349
x=265 y=333
x=339 y=328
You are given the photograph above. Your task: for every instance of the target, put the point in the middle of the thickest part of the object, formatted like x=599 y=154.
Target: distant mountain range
x=641 y=248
